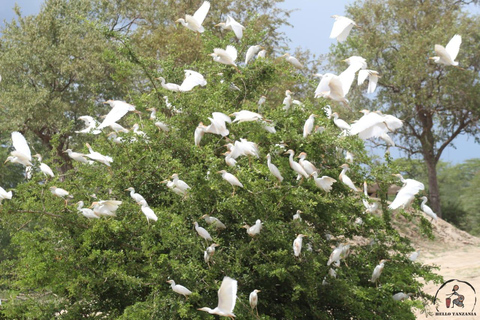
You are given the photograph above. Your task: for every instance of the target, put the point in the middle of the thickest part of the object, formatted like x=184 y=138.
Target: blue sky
x=309 y=13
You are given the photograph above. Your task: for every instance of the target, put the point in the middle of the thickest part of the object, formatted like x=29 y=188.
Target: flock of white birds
x=373 y=124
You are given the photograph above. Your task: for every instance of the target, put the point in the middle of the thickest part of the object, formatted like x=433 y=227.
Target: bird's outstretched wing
x=227 y=294
x=20 y=144
x=236 y=27
x=119 y=109
x=453 y=46
x=341 y=28
x=232 y=52
x=201 y=13
x=192 y=80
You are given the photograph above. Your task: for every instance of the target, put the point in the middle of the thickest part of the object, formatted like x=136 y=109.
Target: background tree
x=436 y=103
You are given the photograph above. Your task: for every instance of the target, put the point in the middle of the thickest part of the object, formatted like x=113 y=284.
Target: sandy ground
x=457 y=254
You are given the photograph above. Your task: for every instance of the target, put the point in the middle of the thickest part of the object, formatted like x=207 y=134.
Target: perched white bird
x=400 y=296
x=209 y=252
x=153 y=114
x=297 y=245
x=251 y=52
x=86 y=212
x=328 y=111
x=297 y=216
x=230 y=178
x=306 y=165
x=106 y=207
x=90 y=125
x=77 y=156
x=233 y=25
x=214 y=221
x=225 y=56
x=427 y=210
x=119 y=109
x=194 y=22
x=180 y=184
x=288 y=101
x=407 y=193
x=378 y=270
x=243 y=148
x=336 y=255
x=370 y=208
x=245 y=115
x=324 y=183
x=137 y=197
x=136 y=130
x=340 y=123
x=168 y=86
x=372 y=79
x=229 y=160
x=293 y=61
x=94 y=155
x=202 y=232
x=262 y=54
x=448 y=54
x=227 y=297
x=309 y=125
x=273 y=169
x=47 y=171
x=252 y=231
x=179 y=289
x=414 y=255
x=162 y=126
x=147 y=211
x=345 y=179
x=22 y=153
x=253 y=299
x=269 y=127
x=199 y=133
x=59 y=192
x=118 y=128
x=295 y=165
x=174 y=188
x=341 y=28
x=5 y=195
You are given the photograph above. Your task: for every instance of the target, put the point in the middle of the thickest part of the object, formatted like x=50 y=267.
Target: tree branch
x=451 y=138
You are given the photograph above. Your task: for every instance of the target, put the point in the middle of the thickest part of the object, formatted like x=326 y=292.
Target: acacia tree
x=437 y=103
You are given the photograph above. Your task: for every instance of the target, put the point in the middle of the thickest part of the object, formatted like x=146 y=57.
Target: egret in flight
x=225 y=56
x=407 y=193
x=227 y=297
x=341 y=28
x=232 y=24
x=22 y=153
x=448 y=54
x=5 y=195
x=194 y=22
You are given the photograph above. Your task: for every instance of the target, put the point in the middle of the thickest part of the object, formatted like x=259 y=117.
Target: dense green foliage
x=57 y=262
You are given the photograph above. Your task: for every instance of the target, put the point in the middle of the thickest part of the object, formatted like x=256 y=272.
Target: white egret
x=225 y=56
x=269 y=127
x=297 y=245
x=47 y=171
x=448 y=54
x=340 y=123
x=262 y=54
x=202 y=232
x=306 y=165
x=372 y=79
x=86 y=212
x=252 y=231
x=324 y=183
x=341 y=28
x=59 y=192
x=233 y=25
x=407 y=193
x=273 y=169
x=209 y=252
x=4 y=195
x=90 y=125
x=374 y=125
x=349 y=157
x=385 y=137
x=414 y=256
x=400 y=296
x=168 y=86
x=194 y=22
x=288 y=100
x=199 y=133
x=229 y=160
x=251 y=52
x=370 y=208
x=355 y=63
x=227 y=297
x=260 y=103
x=218 y=123
x=118 y=128
x=174 y=188
x=147 y=211
x=335 y=87
x=427 y=210
x=253 y=299
x=308 y=126
x=179 y=289
x=77 y=156
x=162 y=126
x=243 y=148
x=119 y=109
x=94 y=155
x=153 y=114
x=345 y=179
x=328 y=111
x=180 y=184
x=22 y=153
x=230 y=178
x=336 y=255
x=192 y=79
x=297 y=216
x=137 y=197
x=295 y=165
x=214 y=221
x=106 y=207
x=293 y=61
x=245 y=115
x=378 y=270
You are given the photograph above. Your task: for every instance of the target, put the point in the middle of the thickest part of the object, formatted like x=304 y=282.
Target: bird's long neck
x=80 y=206
x=290 y=159
x=424 y=201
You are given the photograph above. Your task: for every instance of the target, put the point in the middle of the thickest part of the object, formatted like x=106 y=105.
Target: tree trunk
x=434 y=192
